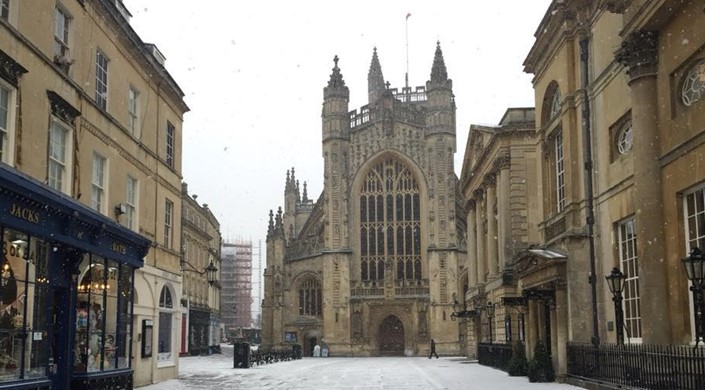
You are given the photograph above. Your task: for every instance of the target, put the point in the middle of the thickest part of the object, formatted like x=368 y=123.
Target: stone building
x=90 y=141
x=371 y=266
x=200 y=302
x=497 y=181
x=619 y=91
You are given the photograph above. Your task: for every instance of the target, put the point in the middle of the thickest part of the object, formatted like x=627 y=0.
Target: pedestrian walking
x=433 y=349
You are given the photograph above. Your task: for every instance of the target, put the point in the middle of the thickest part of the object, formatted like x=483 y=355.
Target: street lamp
x=210 y=271
x=459 y=310
x=615 y=281
x=490 y=317
x=694 y=265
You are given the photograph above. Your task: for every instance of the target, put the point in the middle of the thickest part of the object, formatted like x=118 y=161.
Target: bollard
x=241 y=355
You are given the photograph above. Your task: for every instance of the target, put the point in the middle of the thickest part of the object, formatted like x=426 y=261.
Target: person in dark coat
x=433 y=349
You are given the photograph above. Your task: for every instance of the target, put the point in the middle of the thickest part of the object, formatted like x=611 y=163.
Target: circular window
x=694 y=84
x=625 y=139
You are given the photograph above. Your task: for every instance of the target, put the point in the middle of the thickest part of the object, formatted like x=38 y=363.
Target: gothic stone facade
x=371 y=267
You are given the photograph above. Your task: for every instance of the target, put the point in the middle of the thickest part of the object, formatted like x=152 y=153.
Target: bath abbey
x=373 y=266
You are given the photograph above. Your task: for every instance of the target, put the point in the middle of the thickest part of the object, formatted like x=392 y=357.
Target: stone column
x=491 y=202
x=639 y=52
x=560 y=331
x=472 y=246
x=480 y=241
x=504 y=213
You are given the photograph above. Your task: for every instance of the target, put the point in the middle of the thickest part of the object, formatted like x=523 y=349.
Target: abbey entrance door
x=391 y=337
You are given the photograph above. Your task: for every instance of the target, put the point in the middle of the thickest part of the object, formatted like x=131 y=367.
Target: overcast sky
x=253 y=74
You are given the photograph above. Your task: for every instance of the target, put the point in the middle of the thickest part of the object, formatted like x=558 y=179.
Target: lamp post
x=615 y=281
x=490 y=317
x=694 y=265
x=459 y=310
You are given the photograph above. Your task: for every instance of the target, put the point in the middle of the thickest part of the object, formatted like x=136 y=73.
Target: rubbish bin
x=241 y=355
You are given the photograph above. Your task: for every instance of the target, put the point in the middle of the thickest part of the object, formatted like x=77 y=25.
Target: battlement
x=401 y=113
x=407 y=95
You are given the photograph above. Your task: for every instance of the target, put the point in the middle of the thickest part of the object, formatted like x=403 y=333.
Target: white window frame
x=98 y=183
x=694 y=221
x=59 y=167
x=168 y=222
x=629 y=264
x=560 y=171
x=133 y=100
x=7 y=129
x=101 y=79
x=62 y=31
x=625 y=138
x=170 y=138
x=131 y=200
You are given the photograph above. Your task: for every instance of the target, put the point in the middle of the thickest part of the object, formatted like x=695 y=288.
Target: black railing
x=643 y=366
x=266 y=354
x=494 y=355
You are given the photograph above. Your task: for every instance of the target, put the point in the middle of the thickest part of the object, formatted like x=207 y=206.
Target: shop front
x=66 y=282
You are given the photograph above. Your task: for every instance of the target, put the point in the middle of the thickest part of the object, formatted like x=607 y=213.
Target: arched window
x=165 y=326
x=310 y=298
x=390 y=228
x=552 y=101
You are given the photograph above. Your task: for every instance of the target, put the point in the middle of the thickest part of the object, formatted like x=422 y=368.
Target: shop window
x=164 y=343
x=23 y=307
x=103 y=316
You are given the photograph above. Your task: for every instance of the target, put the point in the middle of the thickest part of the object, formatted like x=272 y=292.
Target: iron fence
x=672 y=367
x=494 y=355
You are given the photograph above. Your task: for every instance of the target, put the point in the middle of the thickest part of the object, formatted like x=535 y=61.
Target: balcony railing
x=637 y=365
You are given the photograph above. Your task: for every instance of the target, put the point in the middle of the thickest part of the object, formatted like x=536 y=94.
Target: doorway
x=391 y=337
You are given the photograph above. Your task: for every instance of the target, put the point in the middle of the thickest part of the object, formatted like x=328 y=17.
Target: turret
x=336 y=96
x=375 y=80
x=441 y=103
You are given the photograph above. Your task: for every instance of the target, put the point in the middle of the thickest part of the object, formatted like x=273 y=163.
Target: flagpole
x=407 y=54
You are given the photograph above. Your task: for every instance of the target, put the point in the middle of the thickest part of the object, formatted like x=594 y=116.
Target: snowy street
x=215 y=371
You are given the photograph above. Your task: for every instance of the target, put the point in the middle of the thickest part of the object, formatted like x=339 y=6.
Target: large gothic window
x=390 y=228
x=310 y=299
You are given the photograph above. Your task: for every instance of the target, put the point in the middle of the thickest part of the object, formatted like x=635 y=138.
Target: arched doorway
x=391 y=337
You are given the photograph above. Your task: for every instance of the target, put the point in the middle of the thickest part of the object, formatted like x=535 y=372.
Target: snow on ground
x=452 y=373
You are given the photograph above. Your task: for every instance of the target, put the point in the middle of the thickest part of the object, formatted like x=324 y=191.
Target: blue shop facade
x=66 y=290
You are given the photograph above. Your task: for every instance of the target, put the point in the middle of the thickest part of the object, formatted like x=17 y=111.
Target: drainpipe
x=587 y=141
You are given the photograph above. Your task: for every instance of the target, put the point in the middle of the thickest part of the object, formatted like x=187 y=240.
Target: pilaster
x=504 y=214
x=472 y=245
x=491 y=203
x=480 y=236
